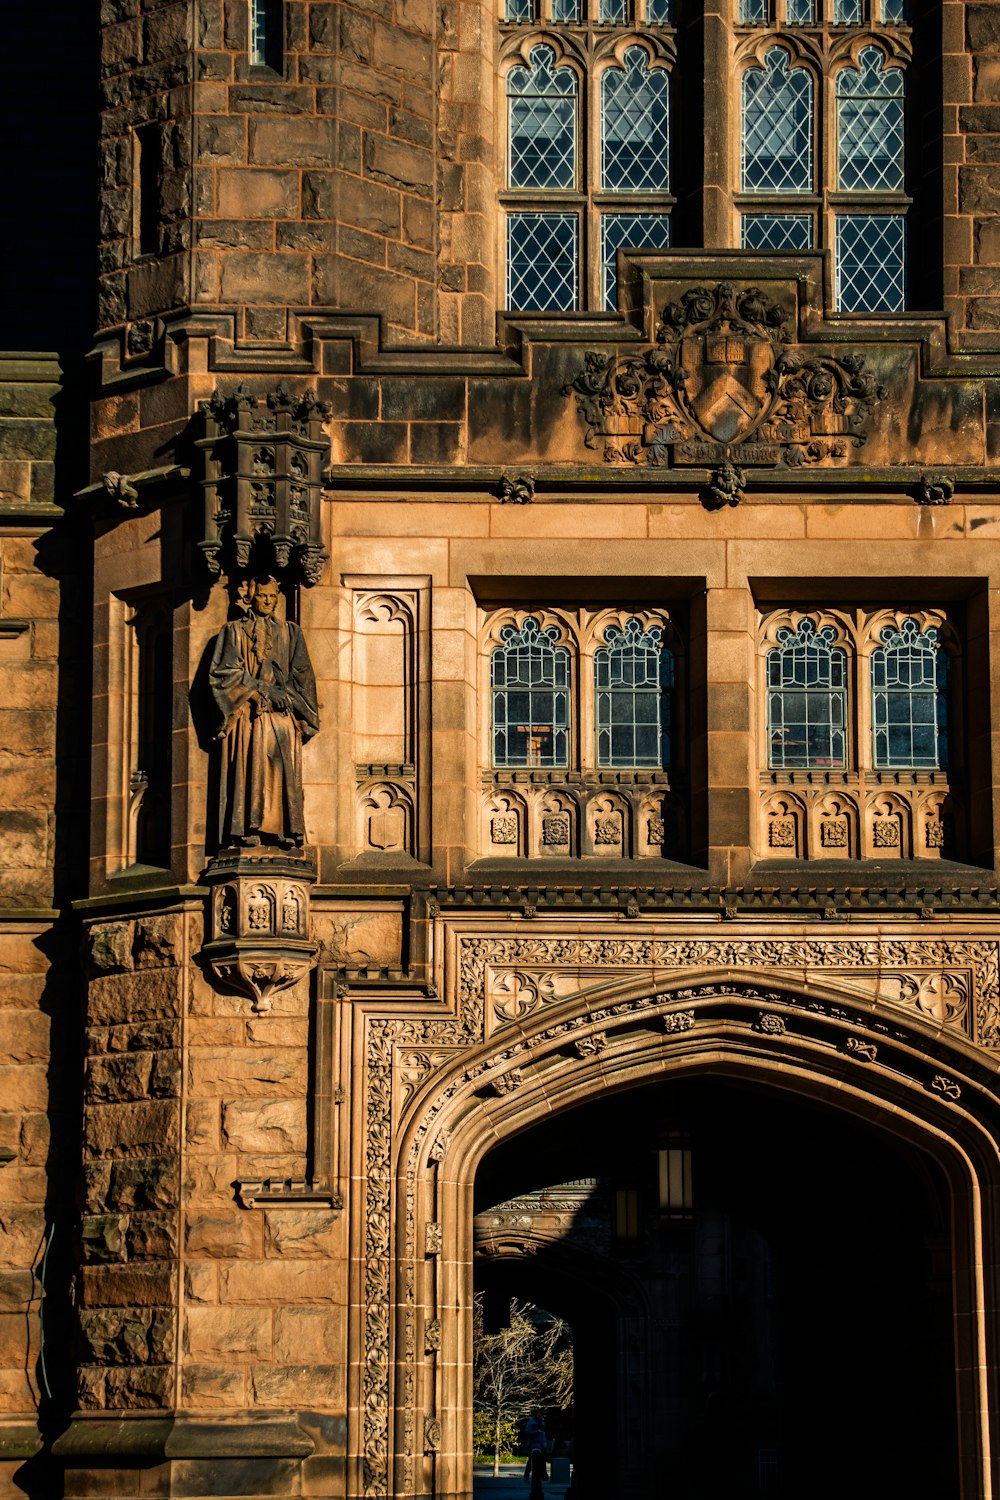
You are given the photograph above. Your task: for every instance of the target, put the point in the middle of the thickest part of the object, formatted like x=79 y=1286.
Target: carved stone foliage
x=951 y=981
x=263 y=472
x=724 y=385
x=259 y=941
x=504 y=987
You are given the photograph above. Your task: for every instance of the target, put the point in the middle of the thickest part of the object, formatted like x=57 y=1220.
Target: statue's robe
x=260 y=788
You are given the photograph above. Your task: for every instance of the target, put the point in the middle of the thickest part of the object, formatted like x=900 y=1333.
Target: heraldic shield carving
x=723 y=382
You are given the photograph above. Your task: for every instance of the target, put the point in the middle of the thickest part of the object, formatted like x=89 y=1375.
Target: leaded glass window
x=658 y=12
x=530 y=697
x=847 y=13
x=870 y=262
x=800 y=12
x=634 y=126
x=542 y=260
x=754 y=12
x=870 y=125
x=519 y=10
x=614 y=12
x=542 y=101
x=633 y=676
x=909 y=699
x=567 y=11
x=807 y=699
x=638 y=232
x=894 y=12
x=777 y=231
x=777 y=127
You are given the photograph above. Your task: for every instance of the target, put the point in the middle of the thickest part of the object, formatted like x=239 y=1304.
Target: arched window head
x=909 y=699
x=635 y=126
x=542 y=100
x=529 y=693
x=777 y=133
x=633 y=678
x=807 y=699
x=870 y=125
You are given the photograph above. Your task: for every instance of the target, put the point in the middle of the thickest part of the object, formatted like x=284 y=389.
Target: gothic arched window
x=633 y=676
x=909 y=699
x=591 y=194
x=530 y=697
x=777 y=127
x=807 y=699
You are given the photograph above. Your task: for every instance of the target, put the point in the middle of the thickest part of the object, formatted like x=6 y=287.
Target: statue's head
x=264 y=596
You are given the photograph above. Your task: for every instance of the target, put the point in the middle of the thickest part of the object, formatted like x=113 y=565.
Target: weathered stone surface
x=149 y=994
x=223 y=1237
x=277 y=1125
x=149 y=1183
x=103 y=1236
x=285 y=1281
x=132 y=1129
x=302 y=1232
x=17 y=1289
x=315 y=1386
x=250 y=1074
x=227 y=1331
x=135 y=1389
x=127 y=1286
x=307 y=1335
x=209 y=1386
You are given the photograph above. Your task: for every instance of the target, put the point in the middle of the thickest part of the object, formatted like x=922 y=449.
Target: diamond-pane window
x=870 y=125
x=567 y=11
x=638 y=232
x=847 y=12
x=871 y=262
x=800 y=12
x=909 y=700
x=894 y=12
x=807 y=699
x=542 y=261
x=519 y=10
x=542 y=102
x=777 y=127
x=754 y=12
x=658 y=12
x=635 y=126
x=633 y=676
x=614 y=12
x=530 y=692
x=777 y=232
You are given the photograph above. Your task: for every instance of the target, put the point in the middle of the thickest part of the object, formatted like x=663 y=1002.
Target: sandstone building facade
x=499 y=567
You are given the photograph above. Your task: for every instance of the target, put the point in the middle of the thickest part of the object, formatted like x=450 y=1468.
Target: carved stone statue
x=262 y=680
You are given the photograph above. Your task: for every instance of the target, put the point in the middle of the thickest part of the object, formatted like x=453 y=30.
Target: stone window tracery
x=577 y=194
x=855 y=734
x=800 y=189
x=583 y=748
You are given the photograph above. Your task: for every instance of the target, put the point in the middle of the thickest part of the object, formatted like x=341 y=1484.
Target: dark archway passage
x=792 y=1336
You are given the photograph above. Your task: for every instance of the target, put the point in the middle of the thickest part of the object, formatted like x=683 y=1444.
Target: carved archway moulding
x=877 y=1026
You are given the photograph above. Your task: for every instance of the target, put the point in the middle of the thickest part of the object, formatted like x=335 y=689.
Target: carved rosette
x=262 y=484
x=259 y=941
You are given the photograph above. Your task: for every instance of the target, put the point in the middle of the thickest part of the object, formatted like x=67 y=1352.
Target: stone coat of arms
x=723 y=382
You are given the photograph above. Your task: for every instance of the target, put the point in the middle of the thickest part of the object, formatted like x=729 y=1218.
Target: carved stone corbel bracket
x=259 y=941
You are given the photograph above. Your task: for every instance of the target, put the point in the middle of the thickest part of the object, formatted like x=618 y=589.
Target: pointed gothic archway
x=477 y=1080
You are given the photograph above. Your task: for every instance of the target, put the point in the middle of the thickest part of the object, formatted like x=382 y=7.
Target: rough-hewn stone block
x=265 y=1126
x=228 y=1331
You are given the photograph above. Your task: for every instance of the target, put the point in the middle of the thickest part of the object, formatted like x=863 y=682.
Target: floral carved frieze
x=949 y=982
x=724 y=387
